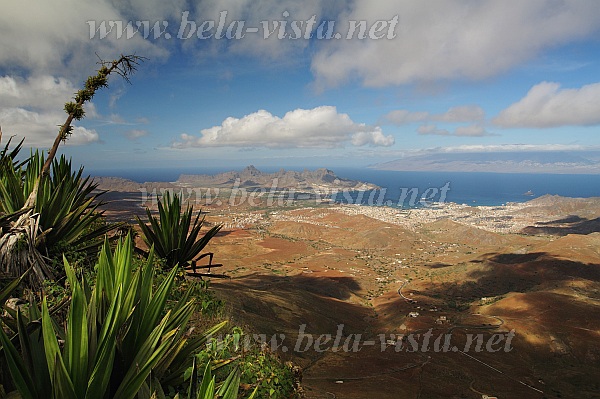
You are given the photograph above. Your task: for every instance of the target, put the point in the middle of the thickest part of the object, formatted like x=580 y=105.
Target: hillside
x=251 y=177
x=464 y=271
x=346 y=266
x=248 y=178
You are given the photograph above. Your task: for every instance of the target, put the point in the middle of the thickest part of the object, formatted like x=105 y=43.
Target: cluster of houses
x=439 y=320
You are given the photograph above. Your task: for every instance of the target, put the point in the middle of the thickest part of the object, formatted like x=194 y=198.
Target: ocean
x=474 y=188
x=416 y=189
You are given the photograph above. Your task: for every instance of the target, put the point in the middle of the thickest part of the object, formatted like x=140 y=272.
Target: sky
x=228 y=83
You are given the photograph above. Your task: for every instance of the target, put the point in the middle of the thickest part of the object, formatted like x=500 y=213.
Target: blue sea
x=415 y=189
x=473 y=188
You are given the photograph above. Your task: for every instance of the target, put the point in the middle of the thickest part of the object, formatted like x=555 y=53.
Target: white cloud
x=114 y=97
x=321 y=127
x=512 y=148
x=435 y=40
x=269 y=14
x=475 y=148
x=444 y=39
x=116 y=119
x=462 y=113
x=33 y=108
x=48 y=40
x=547 y=105
x=151 y=9
x=82 y=136
x=432 y=130
x=90 y=111
x=54 y=36
x=135 y=134
x=38 y=91
x=474 y=130
x=40 y=129
x=374 y=138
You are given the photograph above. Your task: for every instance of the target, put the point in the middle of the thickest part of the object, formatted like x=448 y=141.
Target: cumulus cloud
x=44 y=42
x=442 y=39
x=321 y=127
x=38 y=91
x=82 y=136
x=434 y=40
x=54 y=36
x=432 y=130
x=547 y=105
x=32 y=108
x=474 y=130
x=463 y=113
x=40 y=129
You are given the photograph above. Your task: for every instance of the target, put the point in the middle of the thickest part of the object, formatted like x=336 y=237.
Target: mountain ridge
x=251 y=177
x=560 y=162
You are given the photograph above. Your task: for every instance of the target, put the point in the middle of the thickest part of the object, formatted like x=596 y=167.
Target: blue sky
x=449 y=76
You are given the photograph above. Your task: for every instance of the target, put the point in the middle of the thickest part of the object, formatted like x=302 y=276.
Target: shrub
x=170 y=233
x=20 y=235
x=66 y=208
x=118 y=340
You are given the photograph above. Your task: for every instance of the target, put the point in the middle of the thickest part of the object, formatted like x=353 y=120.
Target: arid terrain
x=524 y=279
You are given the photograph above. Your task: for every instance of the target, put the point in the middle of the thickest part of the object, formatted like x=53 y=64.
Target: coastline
x=476 y=189
x=498 y=219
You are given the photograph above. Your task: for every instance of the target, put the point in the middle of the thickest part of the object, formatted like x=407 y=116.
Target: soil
x=306 y=276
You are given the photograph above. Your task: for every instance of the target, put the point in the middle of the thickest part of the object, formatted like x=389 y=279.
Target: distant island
x=558 y=162
x=251 y=177
x=248 y=178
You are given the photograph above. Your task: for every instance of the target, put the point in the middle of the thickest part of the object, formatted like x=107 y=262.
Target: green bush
x=66 y=203
x=265 y=371
x=170 y=233
x=262 y=373
x=119 y=339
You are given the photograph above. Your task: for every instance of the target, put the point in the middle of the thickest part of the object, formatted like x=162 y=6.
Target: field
x=529 y=290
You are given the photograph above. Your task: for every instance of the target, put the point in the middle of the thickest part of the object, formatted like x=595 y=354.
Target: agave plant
x=10 y=155
x=65 y=211
x=170 y=233
x=119 y=339
x=66 y=202
x=9 y=168
x=19 y=241
x=208 y=388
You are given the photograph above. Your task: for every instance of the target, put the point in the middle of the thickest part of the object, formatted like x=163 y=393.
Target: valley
x=382 y=279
